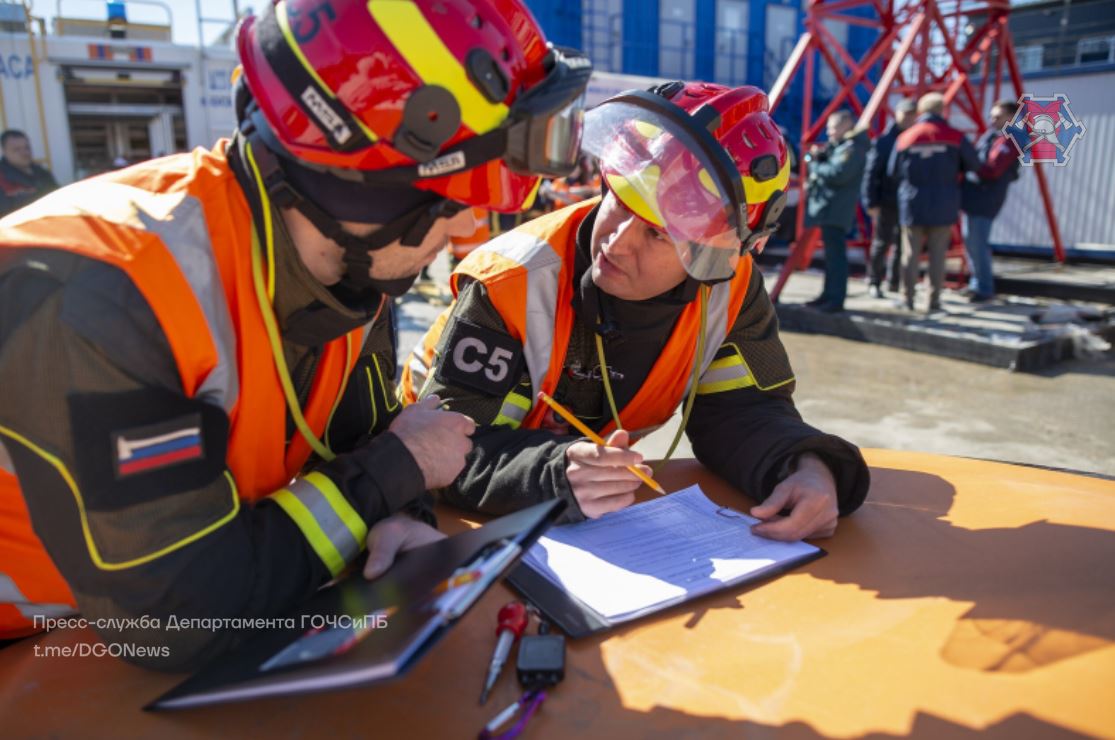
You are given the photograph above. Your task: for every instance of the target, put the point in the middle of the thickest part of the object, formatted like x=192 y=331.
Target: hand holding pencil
x=604 y=474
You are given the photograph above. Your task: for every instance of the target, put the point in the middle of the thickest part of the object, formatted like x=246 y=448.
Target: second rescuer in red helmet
x=196 y=391
x=624 y=308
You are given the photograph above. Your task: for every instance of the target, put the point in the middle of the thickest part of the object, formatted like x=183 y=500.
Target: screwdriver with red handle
x=512 y=620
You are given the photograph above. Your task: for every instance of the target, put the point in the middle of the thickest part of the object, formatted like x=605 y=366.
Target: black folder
x=360 y=632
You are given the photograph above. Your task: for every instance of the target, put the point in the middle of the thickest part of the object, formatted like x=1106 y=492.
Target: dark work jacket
x=928 y=160
x=999 y=167
x=880 y=190
x=18 y=188
x=834 y=182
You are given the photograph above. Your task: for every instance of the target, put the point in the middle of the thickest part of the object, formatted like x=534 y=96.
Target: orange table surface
x=964 y=597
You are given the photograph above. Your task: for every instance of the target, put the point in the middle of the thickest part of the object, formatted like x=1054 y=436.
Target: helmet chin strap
x=409 y=229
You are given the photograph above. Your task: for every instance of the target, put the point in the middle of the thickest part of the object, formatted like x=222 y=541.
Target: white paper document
x=658 y=553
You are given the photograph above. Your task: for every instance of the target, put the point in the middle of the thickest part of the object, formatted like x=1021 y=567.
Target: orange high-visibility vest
x=149 y=221
x=461 y=246
x=528 y=274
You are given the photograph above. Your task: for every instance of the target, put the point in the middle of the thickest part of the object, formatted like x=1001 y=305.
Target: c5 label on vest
x=481 y=359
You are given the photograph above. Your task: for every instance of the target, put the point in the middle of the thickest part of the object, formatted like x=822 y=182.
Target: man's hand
x=395 y=534
x=438 y=440
x=873 y=212
x=810 y=494
x=599 y=476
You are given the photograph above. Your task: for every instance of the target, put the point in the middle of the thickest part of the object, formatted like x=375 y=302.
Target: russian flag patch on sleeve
x=157 y=446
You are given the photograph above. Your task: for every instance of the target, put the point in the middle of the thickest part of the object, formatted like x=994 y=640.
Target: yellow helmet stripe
x=427 y=55
x=284 y=26
x=760 y=192
x=632 y=199
x=528 y=202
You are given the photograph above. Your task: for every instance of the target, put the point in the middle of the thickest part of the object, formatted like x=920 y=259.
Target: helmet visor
x=661 y=171
x=544 y=134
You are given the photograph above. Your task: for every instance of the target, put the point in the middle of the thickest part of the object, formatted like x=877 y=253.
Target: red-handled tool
x=512 y=621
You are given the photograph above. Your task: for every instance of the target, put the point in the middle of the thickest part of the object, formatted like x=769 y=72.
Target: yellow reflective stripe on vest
x=10 y=594
x=726 y=374
x=327 y=520
x=515 y=408
x=416 y=40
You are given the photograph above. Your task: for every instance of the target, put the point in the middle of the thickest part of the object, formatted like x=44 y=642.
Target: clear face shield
x=672 y=175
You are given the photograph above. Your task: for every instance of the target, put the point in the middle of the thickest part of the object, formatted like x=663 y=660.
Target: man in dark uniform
x=835 y=172
x=21 y=180
x=604 y=305
x=880 y=199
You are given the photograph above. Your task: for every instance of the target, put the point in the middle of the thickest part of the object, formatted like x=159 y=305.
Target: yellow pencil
x=580 y=427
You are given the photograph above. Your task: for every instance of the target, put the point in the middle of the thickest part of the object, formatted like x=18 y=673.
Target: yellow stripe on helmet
x=284 y=26
x=528 y=202
x=415 y=39
x=633 y=199
x=760 y=192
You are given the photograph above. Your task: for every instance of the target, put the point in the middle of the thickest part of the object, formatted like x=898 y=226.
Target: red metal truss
x=955 y=47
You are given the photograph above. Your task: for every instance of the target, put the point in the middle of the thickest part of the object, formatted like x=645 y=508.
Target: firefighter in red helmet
x=196 y=356
x=624 y=308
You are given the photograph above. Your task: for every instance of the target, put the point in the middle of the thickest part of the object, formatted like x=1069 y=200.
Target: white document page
x=657 y=553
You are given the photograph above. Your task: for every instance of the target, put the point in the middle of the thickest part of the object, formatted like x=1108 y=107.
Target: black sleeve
x=366 y=410
x=173 y=543
x=744 y=426
x=873 y=178
x=369 y=403
x=969 y=157
x=509 y=468
x=894 y=166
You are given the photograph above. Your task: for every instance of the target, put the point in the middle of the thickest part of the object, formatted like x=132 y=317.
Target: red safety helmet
x=463 y=98
x=703 y=162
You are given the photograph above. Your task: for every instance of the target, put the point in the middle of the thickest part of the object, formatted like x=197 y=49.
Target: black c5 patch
x=481 y=359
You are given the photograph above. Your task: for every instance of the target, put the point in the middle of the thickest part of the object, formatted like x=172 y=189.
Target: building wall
x=734 y=42
x=206 y=91
x=1050 y=36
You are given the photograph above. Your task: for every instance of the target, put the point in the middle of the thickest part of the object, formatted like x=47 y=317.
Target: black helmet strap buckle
x=410 y=228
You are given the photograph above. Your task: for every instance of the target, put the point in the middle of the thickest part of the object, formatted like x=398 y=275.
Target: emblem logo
x=1044 y=129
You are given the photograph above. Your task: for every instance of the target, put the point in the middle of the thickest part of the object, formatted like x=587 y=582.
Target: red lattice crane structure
x=956 y=47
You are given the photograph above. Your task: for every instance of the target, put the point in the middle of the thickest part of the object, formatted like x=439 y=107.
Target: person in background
x=461 y=246
x=880 y=200
x=835 y=173
x=983 y=196
x=928 y=160
x=21 y=180
x=582 y=184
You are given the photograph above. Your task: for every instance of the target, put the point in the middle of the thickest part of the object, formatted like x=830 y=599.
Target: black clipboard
x=379 y=628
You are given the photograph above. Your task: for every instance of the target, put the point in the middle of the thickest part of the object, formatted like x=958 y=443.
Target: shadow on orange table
x=1041 y=593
